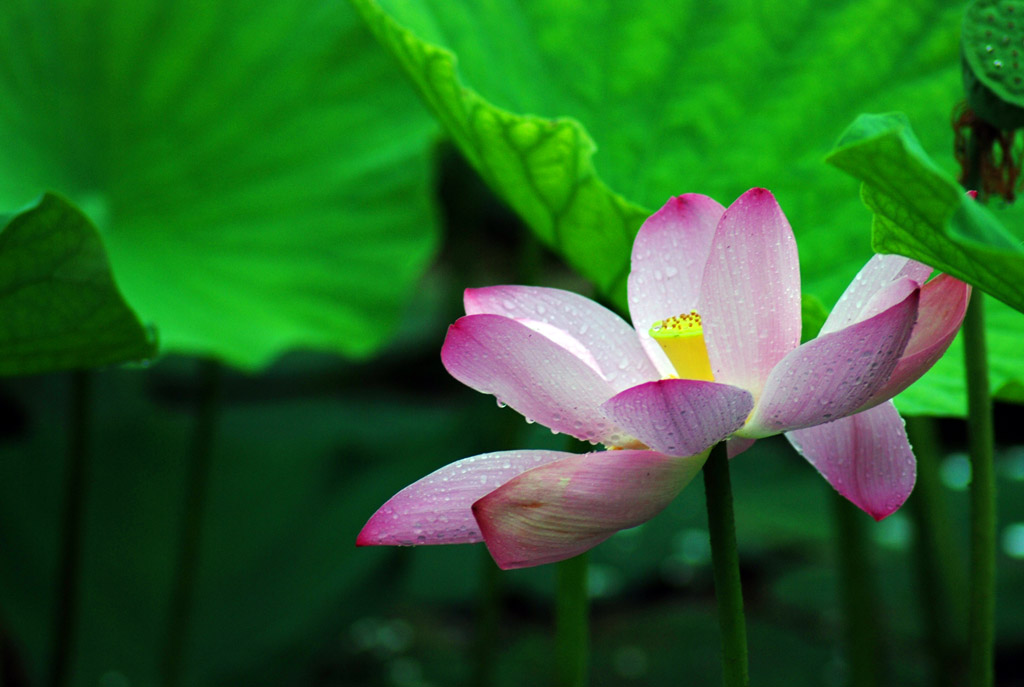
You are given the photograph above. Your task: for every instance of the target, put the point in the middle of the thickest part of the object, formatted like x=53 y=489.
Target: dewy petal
x=560 y=510
x=866 y=457
x=606 y=336
x=835 y=374
x=878 y=273
x=941 y=311
x=669 y=255
x=438 y=508
x=680 y=417
x=750 y=293
x=529 y=372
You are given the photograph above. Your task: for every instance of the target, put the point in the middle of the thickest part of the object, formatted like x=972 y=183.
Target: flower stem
x=725 y=560
x=981 y=624
x=196 y=485
x=72 y=529
x=859 y=595
x=488 y=621
x=936 y=563
x=571 y=622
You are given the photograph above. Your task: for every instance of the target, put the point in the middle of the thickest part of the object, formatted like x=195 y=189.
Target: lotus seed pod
x=992 y=48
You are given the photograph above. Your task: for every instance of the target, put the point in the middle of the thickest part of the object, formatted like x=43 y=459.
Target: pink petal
x=738 y=445
x=669 y=255
x=536 y=376
x=835 y=374
x=750 y=293
x=941 y=311
x=866 y=457
x=606 y=336
x=680 y=417
x=879 y=272
x=560 y=510
x=437 y=508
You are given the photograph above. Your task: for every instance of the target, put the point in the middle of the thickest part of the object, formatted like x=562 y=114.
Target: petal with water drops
x=531 y=373
x=607 y=337
x=438 y=508
x=835 y=374
x=560 y=510
x=866 y=457
x=680 y=417
x=668 y=260
x=750 y=292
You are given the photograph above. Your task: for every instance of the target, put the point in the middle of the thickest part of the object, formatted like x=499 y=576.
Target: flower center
x=682 y=339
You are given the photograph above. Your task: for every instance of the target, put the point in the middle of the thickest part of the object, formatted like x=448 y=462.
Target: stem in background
x=937 y=565
x=859 y=595
x=488 y=620
x=72 y=529
x=196 y=485
x=572 y=622
x=725 y=560
x=981 y=624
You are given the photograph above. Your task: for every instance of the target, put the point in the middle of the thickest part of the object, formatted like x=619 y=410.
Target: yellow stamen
x=682 y=339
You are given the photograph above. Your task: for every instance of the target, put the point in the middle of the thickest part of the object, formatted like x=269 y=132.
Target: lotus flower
x=714 y=295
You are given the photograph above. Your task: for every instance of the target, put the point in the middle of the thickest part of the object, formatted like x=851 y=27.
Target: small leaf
x=922 y=213
x=59 y=306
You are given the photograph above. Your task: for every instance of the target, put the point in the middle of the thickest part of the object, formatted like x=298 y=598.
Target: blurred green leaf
x=293 y=480
x=259 y=171
x=584 y=121
x=59 y=306
x=921 y=212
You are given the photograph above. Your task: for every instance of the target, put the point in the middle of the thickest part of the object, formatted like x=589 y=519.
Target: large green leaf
x=542 y=167
x=59 y=306
x=921 y=212
x=680 y=97
x=258 y=170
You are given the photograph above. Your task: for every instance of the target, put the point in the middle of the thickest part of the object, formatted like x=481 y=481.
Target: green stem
x=196 y=486
x=725 y=560
x=488 y=621
x=72 y=529
x=859 y=595
x=981 y=624
x=571 y=622
x=936 y=561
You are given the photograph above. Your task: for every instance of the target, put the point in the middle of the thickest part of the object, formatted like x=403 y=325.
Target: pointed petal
x=438 y=508
x=669 y=255
x=941 y=311
x=836 y=374
x=750 y=294
x=866 y=457
x=680 y=417
x=531 y=373
x=879 y=272
x=606 y=336
x=560 y=510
